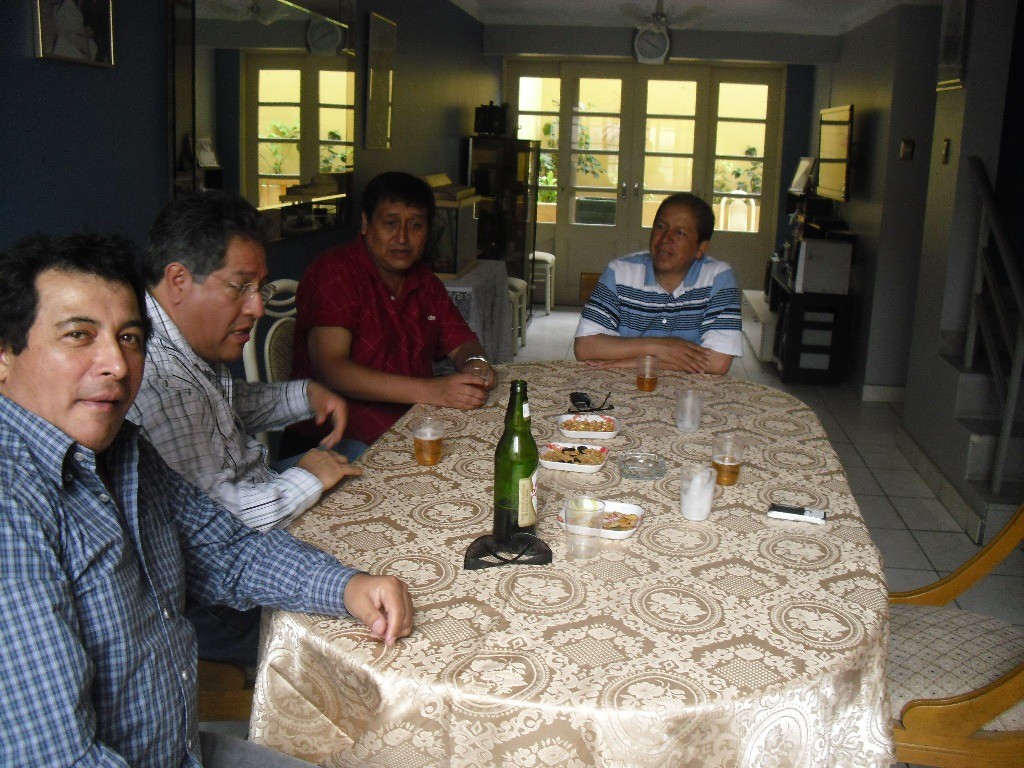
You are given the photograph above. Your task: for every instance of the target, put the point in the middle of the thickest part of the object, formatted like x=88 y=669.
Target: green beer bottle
x=515 y=470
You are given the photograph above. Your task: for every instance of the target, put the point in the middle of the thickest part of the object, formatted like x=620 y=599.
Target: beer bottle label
x=528 y=500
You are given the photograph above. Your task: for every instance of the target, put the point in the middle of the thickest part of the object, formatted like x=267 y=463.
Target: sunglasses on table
x=581 y=403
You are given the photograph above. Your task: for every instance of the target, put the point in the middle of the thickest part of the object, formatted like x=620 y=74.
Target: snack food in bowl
x=621 y=520
x=588 y=426
x=573 y=457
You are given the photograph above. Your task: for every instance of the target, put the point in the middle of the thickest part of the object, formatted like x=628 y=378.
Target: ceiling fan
x=651 y=41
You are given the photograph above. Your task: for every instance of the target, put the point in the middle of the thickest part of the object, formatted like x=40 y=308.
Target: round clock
x=324 y=38
x=651 y=45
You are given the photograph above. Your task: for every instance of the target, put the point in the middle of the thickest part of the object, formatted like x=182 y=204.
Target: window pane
x=596 y=169
x=278 y=122
x=674 y=174
x=650 y=209
x=337 y=124
x=538 y=94
x=281 y=85
x=277 y=157
x=598 y=95
x=335 y=158
x=743 y=100
x=597 y=133
x=595 y=208
x=542 y=128
x=272 y=189
x=671 y=97
x=736 y=214
x=738 y=176
x=667 y=135
x=740 y=139
x=337 y=87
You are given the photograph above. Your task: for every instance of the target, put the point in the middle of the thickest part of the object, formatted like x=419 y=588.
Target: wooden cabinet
x=814 y=336
x=504 y=172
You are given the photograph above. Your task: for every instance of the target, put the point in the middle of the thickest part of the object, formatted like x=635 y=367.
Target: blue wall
x=79 y=144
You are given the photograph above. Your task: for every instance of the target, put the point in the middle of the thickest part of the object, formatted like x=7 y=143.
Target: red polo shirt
x=402 y=334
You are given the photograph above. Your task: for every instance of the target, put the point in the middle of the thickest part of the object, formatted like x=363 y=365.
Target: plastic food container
x=570 y=449
x=586 y=434
x=621 y=520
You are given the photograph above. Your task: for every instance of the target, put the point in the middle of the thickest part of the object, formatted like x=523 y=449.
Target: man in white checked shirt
x=205 y=270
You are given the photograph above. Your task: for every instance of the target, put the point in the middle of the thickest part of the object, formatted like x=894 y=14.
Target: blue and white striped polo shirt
x=628 y=302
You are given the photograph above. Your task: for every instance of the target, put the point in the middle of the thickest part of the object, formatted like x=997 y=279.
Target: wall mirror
x=264 y=105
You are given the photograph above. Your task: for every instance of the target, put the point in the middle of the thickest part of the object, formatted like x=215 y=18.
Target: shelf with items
x=814 y=334
x=451 y=250
x=504 y=172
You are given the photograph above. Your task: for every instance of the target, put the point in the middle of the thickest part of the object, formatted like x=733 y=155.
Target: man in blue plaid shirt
x=100 y=542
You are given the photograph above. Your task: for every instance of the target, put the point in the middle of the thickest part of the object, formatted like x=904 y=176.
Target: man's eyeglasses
x=242 y=292
x=581 y=403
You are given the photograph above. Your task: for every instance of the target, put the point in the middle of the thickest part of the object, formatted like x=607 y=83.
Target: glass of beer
x=427 y=432
x=646 y=373
x=727 y=457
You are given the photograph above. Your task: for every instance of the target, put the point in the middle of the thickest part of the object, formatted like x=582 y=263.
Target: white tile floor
x=919 y=540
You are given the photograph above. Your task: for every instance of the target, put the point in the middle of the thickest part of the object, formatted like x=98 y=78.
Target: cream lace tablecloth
x=738 y=641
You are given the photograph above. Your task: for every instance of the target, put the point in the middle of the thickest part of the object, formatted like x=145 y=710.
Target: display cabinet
x=504 y=172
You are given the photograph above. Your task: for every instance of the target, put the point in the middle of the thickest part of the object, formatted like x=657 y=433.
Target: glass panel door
x=616 y=139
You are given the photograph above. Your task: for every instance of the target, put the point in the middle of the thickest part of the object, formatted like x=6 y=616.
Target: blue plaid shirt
x=97 y=664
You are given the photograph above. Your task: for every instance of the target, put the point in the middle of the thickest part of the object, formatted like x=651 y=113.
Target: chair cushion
x=936 y=651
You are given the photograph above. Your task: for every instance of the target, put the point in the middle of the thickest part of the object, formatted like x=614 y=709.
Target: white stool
x=543 y=268
x=517 y=292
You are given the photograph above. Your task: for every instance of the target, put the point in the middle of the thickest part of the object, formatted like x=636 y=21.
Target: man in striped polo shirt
x=672 y=301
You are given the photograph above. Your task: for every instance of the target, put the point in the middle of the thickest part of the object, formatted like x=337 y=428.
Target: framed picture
x=76 y=30
x=206 y=155
x=380 y=76
x=953 y=44
x=802 y=177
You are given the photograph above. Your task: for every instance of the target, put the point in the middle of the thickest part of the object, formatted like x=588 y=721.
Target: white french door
x=619 y=138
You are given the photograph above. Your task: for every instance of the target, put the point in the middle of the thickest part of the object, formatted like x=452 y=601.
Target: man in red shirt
x=373 y=319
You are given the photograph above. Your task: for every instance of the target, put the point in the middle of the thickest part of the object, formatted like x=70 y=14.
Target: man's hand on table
x=674 y=355
x=327 y=405
x=457 y=390
x=382 y=603
x=327 y=466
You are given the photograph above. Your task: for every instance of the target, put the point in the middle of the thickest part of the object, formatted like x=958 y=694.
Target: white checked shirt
x=201 y=420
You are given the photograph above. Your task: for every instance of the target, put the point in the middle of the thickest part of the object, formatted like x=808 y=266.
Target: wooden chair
x=223 y=692
x=956 y=678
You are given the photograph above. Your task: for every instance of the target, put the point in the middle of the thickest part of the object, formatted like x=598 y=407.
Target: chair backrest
x=277 y=350
x=282 y=305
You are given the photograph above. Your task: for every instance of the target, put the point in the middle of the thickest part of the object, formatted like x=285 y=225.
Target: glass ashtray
x=641 y=466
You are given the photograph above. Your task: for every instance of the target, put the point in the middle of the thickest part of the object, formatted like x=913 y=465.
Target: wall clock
x=324 y=38
x=651 y=45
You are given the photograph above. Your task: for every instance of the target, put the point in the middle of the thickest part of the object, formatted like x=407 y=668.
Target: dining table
x=739 y=640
